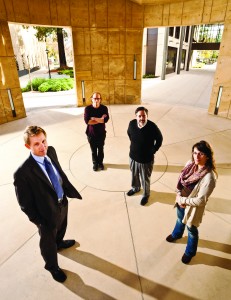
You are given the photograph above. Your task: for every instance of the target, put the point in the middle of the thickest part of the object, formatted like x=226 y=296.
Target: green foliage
x=56 y=34
x=44 y=87
x=66 y=86
x=199 y=65
x=67 y=83
x=69 y=72
x=43 y=32
x=36 y=82
x=149 y=76
x=26 y=89
x=209 y=33
x=56 y=85
x=50 y=85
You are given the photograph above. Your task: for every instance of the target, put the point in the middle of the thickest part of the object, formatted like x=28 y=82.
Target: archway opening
x=179 y=64
x=44 y=55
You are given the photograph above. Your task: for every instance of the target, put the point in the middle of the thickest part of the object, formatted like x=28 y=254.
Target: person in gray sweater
x=195 y=184
x=146 y=139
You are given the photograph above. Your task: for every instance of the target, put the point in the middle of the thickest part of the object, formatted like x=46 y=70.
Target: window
x=171 y=31
x=177 y=32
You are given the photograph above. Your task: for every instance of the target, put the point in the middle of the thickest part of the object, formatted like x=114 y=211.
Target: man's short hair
x=96 y=93
x=32 y=131
x=141 y=108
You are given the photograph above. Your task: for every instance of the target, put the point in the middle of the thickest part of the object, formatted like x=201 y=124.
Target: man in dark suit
x=43 y=200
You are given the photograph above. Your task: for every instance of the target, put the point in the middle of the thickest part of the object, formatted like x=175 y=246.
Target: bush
x=66 y=86
x=26 y=89
x=67 y=83
x=199 y=65
x=36 y=82
x=56 y=85
x=149 y=76
x=45 y=85
x=69 y=72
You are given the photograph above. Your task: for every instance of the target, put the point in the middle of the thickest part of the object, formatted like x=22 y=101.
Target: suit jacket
x=36 y=195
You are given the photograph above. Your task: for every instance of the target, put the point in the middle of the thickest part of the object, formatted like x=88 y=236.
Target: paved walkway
x=191 y=88
x=36 y=100
x=121 y=251
x=41 y=73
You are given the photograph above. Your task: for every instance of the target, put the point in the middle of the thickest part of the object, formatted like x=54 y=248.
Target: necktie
x=54 y=179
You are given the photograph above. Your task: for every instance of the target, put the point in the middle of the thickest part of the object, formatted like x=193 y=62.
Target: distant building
x=156 y=52
x=177 y=47
x=28 y=51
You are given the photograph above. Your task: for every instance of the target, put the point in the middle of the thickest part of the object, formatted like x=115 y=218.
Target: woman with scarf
x=195 y=184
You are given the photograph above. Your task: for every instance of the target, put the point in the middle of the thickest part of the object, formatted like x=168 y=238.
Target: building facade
x=179 y=48
x=29 y=53
x=158 y=52
x=107 y=45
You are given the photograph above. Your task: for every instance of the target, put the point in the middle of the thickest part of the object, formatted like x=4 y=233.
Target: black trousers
x=97 y=148
x=51 y=237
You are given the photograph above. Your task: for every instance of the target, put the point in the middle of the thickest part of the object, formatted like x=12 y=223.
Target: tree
x=62 y=56
x=58 y=34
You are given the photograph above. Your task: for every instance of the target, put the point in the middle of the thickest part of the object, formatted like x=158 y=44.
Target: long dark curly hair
x=205 y=148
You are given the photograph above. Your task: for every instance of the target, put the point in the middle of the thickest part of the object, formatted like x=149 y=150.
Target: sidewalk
x=191 y=88
x=42 y=73
x=121 y=252
x=36 y=100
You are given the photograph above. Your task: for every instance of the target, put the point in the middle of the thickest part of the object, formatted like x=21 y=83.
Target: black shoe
x=65 y=244
x=144 y=200
x=170 y=239
x=186 y=259
x=132 y=192
x=58 y=275
x=95 y=167
x=101 y=167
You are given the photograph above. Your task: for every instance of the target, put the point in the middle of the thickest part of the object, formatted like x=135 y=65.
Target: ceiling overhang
x=157 y=2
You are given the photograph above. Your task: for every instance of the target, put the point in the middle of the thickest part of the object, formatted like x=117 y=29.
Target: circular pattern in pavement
x=116 y=176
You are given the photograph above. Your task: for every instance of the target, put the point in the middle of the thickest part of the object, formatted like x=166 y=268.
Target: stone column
x=11 y=102
x=222 y=76
x=104 y=60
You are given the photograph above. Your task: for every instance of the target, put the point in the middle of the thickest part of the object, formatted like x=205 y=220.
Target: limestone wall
x=107 y=35
x=106 y=38
x=9 y=79
x=223 y=75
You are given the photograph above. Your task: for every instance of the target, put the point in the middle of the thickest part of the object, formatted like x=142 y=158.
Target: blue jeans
x=178 y=231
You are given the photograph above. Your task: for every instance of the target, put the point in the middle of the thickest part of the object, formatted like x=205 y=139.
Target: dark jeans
x=97 y=149
x=178 y=231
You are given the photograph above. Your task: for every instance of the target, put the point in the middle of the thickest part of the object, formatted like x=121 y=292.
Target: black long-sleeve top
x=145 y=141
x=96 y=130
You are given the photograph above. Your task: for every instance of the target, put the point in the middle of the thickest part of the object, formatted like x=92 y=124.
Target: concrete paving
x=121 y=252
